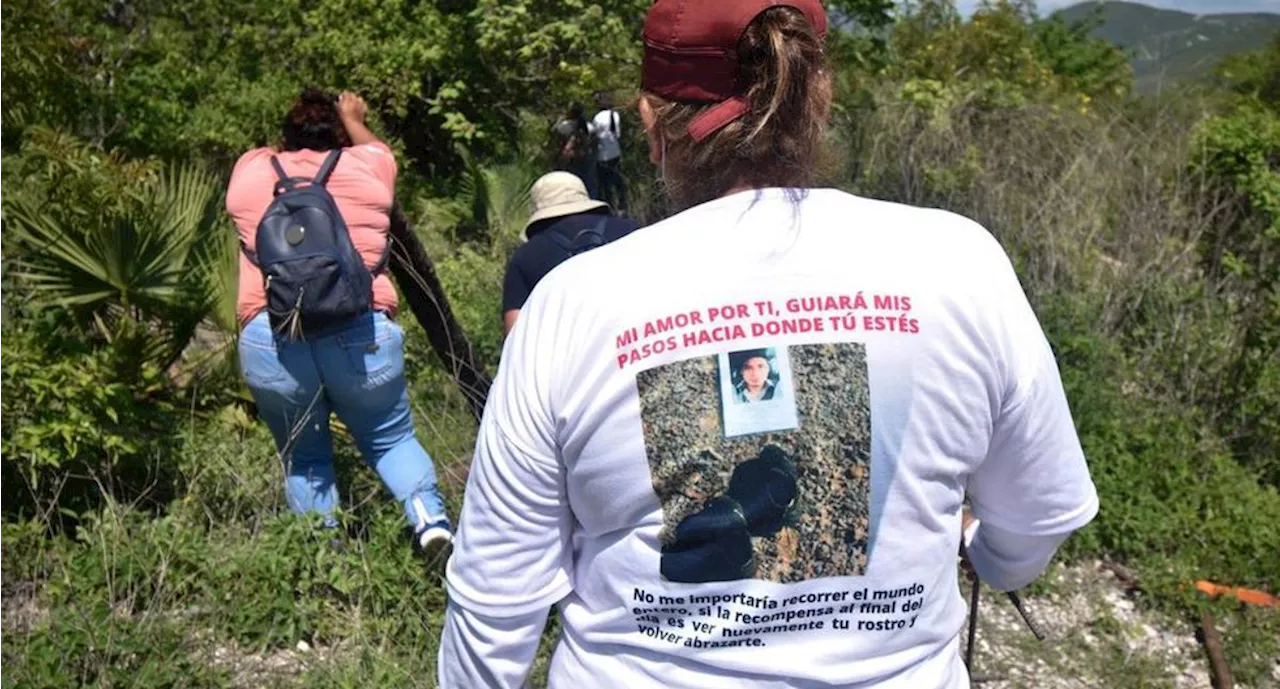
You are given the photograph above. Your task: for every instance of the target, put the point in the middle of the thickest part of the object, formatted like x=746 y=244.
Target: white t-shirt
x=608 y=146
x=694 y=539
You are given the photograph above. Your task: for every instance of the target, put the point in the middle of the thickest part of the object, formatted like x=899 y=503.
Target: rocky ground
x=1097 y=636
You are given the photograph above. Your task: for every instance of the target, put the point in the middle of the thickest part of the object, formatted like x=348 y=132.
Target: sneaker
x=435 y=541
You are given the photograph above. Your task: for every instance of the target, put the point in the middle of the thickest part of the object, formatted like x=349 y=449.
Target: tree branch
x=416 y=275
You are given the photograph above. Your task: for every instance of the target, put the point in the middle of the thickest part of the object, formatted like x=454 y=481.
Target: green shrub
x=1004 y=56
x=74 y=429
x=1174 y=502
x=473 y=282
x=1176 y=506
x=1240 y=159
x=134 y=253
x=257 y=585
x=1255 y=75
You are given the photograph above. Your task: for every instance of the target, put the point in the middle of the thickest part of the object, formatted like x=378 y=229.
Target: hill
x=1168 y=45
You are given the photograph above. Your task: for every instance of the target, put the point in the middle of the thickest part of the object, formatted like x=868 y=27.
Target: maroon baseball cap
x=691 y=53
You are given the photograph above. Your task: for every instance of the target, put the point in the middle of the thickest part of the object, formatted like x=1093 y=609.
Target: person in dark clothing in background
x=576 y=141
x=562 y=213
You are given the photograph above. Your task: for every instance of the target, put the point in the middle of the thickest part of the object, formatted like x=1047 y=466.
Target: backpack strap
x=249 y=254
x=281 y=175
x=562 y=241
x=594 y=236
x=591 y=237
x=283 y=181
x=286 y=183
x=326 y=168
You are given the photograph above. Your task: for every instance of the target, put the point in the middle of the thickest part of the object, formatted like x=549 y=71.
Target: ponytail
x=775 y=144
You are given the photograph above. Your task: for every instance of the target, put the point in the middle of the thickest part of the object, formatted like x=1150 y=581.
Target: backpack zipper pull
x=295 y=316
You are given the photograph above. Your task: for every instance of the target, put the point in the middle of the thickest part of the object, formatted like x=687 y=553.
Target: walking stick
x=973 y=607
x=973 y=622
x=1018 y=605
x=1026 y=615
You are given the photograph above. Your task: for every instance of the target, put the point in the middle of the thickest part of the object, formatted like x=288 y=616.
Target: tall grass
x=1108 y=207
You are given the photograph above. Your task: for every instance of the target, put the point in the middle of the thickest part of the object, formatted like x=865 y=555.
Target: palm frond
x=66 y=266
x=509 y=186
x=146 y=272
x=474 y=189
x=497 y=196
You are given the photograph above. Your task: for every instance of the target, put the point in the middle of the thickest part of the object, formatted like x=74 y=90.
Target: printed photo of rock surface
x=784 y=506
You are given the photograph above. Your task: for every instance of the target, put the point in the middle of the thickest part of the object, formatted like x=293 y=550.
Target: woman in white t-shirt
x=806 y=540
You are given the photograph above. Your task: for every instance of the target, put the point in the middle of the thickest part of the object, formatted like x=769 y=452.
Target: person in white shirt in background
x=607 y=125
x=818 y=550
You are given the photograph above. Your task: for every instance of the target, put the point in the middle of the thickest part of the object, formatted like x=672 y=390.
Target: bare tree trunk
x=416 y=275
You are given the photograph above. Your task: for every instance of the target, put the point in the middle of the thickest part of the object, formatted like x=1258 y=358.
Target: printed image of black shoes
x=766 y=488
x=710 y=545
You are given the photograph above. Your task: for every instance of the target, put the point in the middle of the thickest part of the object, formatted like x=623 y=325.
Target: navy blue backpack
x=314 y=277
x=585 y=240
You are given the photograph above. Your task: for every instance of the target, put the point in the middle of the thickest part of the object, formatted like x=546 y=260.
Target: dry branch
x=1217 y=658
x=416 y=275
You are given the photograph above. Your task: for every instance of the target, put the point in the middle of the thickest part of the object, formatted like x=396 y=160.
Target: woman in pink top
x=355 y=370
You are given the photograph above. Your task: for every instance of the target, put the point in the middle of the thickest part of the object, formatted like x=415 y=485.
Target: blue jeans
x=356 y=371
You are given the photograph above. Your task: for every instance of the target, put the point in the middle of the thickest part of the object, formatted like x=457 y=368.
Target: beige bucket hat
x=556 y=194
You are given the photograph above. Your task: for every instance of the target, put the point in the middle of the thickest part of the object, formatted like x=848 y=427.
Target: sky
x=1197 y=6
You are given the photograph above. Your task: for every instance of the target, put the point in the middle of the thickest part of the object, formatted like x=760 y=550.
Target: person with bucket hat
x=565 y=222
x=818 y=550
